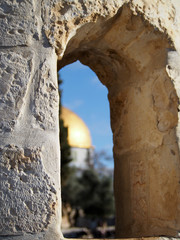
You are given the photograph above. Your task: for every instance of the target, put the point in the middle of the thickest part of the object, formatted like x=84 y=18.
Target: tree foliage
x=65 y=148
x=91 y=192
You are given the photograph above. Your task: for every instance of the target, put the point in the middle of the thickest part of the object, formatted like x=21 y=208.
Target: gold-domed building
x=79 y=139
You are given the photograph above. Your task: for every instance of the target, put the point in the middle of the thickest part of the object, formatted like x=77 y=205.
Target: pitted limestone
x=33 y=195
x=15 y=73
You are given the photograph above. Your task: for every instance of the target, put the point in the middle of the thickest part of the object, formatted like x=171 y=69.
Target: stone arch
x=133 y=46
x=130 y=56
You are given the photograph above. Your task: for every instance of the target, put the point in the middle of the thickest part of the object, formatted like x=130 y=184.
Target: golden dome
x=78 y=132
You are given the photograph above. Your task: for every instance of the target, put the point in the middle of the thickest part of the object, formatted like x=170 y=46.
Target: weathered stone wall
x=29 y=149
x=133 y=46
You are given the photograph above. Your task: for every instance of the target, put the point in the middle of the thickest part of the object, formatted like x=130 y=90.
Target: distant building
x=79 y=139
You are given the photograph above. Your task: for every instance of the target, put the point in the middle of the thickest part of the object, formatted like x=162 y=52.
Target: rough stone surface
x=24 y=180
x=133 y=46
x=15 y=73
x=18 y=22
x=45 y=98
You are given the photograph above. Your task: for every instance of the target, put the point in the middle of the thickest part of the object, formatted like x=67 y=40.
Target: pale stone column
x=29 y=133
x=29 y=144
x=147 y=170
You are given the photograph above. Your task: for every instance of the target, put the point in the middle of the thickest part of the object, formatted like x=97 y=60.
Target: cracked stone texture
x=24 y=180
x=18 y=22
x=133 y=46
x=45 y=98
x=15 y=69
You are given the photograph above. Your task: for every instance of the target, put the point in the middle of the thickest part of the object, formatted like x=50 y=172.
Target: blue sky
x=85 y=95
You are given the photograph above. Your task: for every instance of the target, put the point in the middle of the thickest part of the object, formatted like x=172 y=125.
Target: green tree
x=91 y=192
x=65 y=148
x=96 y=194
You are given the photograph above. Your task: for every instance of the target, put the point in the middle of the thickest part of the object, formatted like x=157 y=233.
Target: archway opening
x=89 y=210
x=129 y=57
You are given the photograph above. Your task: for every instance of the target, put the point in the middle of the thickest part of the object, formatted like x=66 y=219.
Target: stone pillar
x=29 y=132
x=147 y=171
